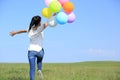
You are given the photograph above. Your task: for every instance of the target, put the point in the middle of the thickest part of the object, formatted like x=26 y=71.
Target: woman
x=35 y=49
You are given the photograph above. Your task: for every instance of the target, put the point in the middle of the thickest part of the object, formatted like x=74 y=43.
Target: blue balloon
x=61 y=18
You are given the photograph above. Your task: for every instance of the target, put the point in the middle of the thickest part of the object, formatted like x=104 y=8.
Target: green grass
x=69 y=71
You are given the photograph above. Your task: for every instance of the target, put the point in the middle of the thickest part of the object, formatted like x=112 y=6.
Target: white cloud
x=101 y=52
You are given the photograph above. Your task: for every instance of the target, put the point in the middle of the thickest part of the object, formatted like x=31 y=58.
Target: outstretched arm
x=45 y=25
x=17 y=32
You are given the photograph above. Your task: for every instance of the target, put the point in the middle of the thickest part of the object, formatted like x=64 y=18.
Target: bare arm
x=17 y=32
x=45 y=25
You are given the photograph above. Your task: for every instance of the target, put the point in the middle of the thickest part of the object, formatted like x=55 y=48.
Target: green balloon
x=55 y=6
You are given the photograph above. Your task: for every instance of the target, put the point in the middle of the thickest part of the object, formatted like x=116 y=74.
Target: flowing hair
x=34 y=21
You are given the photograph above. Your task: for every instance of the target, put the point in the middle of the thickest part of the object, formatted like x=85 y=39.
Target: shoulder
x=41 y=28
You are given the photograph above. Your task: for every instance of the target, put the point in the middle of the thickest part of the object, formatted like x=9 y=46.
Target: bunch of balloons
x=64 y=10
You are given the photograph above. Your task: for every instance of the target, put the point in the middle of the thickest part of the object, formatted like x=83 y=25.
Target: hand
x=54 y=14
x=13 y=33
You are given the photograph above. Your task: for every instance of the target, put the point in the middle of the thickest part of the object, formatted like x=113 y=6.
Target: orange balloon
x=68 y=7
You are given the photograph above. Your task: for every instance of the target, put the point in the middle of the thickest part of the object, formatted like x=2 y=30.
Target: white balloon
x=52 y=21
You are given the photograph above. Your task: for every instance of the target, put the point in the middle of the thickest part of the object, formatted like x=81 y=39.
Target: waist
x=33 y=47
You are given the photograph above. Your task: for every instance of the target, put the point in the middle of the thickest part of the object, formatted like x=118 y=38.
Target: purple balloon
x=71 y=17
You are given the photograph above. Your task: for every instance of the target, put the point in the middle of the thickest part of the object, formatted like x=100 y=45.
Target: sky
x=93 y=36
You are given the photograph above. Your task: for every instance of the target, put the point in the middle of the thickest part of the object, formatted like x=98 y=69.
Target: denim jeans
x=32 y=56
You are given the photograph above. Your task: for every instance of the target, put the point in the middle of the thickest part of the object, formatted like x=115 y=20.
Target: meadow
x=63 y=71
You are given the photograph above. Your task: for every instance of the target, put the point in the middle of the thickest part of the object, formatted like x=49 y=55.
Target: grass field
x=65 y=71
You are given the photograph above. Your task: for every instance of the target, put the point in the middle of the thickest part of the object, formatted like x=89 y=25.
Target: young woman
x=35 y=50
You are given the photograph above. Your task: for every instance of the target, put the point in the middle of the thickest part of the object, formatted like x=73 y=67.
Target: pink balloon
x=63 y=1
x=71 y=17
x=47 y=2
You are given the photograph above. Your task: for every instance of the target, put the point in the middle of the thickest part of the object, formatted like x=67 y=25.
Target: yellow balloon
x=46 y=12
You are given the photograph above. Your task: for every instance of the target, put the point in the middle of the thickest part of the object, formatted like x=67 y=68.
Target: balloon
x=46 y=12
x=55 y=6
x=68 y=7
x=47 y=2
x=63 y=1
x=71 y=17
x=52 y=21
x=61 y=18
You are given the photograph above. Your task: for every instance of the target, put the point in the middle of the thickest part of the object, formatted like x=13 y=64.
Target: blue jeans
x=32 y=56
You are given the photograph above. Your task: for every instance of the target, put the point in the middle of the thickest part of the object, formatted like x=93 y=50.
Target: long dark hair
x=34 y=21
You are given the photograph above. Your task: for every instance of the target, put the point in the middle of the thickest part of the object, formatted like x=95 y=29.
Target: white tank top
x=36 y=38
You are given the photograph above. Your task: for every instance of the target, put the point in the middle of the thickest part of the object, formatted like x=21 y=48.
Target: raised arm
x=45 y=25
x=17 y=32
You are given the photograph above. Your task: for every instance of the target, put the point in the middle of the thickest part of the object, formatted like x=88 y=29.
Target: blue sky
x=94 y=36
